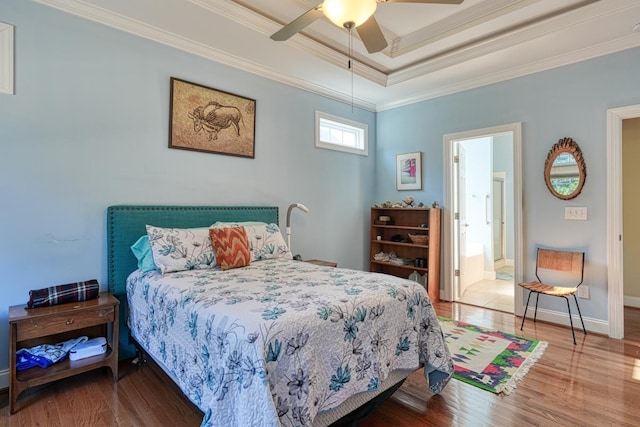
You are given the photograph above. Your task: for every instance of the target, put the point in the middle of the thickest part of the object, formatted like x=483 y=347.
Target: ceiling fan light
x=341 y=12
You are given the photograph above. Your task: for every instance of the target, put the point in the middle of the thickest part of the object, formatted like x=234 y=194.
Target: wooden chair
x=564 y=261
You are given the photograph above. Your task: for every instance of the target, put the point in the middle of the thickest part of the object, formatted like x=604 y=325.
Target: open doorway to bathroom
x=482 y=195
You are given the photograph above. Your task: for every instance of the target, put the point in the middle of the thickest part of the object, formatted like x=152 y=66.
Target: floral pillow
x=231 y=246
x=179 y=249
x=265 y=240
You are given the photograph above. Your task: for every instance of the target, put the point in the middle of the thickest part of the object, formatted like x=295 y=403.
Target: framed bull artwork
x=210 y=120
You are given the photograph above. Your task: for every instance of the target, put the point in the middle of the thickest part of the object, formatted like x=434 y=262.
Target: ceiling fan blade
x=371 y=35
x=297 y=24
x=423 y=1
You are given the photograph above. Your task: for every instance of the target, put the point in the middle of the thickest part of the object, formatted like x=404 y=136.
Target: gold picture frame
x=211 y=120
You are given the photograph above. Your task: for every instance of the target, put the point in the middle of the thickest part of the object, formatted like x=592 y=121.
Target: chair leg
x=570 y=320
x=581 y=321
x=535 y=314
x=524 y=316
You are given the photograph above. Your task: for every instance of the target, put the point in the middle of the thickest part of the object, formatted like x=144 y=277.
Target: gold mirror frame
x=565 y=145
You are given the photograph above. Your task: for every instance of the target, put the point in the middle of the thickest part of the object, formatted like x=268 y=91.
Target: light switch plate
x=575 y=213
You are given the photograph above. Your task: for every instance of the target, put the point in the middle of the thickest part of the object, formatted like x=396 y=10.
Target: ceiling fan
x=350 y=14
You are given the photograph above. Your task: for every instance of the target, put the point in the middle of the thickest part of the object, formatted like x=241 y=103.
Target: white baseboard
x=4 y=379
x=560 y=318
x=632 y=302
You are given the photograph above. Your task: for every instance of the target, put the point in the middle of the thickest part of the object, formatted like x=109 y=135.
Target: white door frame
x=501 y=177
x=615 y=271
x=448 y=223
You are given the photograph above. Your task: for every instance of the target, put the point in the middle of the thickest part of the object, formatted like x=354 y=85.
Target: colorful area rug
x=492 y=360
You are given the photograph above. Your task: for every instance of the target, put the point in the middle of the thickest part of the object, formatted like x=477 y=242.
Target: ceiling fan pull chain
x=350 y=64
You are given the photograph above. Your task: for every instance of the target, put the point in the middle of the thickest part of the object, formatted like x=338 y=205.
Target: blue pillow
x=142 y=250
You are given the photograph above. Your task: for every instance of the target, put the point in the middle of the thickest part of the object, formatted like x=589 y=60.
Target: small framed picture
x=409 y=171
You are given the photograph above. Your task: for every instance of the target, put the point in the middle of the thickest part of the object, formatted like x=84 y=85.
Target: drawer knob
x=68 y=322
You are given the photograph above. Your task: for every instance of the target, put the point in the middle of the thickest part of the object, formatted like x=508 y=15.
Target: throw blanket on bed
x=279 y=341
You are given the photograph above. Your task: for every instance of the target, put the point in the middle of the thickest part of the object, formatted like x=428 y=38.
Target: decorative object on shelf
x=288 y=230
x=435 y=204
x=419 y=239
x=383 y=256
x=401 y=261
x=419 y=278
x=397 y=238
x=420 y=262
x=408 y=202
x=409 y=171
x=384 y=220
x=210 y=120
x=565 y=170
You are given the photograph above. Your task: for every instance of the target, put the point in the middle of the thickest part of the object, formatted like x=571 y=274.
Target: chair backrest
x=564 y=261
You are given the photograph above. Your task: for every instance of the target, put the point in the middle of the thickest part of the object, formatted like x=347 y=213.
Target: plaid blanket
x=61 y=294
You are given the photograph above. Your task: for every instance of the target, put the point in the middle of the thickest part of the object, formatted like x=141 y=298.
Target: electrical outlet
x=583 y=292
x=575 y=213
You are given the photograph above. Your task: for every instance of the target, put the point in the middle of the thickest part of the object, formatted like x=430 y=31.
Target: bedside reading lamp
x=291 y=207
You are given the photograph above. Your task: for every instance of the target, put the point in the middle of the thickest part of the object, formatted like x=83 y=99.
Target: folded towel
x=45 y=355
x=60 y=294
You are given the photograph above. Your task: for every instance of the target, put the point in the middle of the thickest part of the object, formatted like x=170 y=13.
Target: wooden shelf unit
x=58 y=323
x=405 y=221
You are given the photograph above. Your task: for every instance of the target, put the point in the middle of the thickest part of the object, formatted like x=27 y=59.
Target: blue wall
x=88 y=128
x=570 y=101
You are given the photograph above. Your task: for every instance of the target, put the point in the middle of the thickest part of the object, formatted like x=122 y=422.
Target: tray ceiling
x=433 y=49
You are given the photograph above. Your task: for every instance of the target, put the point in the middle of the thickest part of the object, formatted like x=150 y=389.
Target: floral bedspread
x=279 y=341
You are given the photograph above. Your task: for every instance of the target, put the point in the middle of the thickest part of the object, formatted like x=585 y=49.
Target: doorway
x=615 y=273
x=482 y=217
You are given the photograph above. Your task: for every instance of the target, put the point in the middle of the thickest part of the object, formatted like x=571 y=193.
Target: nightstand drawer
x=63 y=322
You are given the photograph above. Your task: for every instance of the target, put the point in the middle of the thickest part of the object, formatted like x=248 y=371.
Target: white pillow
x=179 y=249
x=265 y=240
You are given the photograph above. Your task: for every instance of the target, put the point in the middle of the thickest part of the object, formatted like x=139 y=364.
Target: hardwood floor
x=595 y=383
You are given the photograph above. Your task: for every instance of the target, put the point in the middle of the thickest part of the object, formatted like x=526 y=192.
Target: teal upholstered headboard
x=126 y=223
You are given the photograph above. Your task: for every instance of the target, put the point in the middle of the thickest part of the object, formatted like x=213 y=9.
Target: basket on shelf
x=419 y=239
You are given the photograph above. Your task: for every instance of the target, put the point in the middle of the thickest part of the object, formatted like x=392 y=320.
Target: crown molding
x=499 y=42
x=580 y=55
x=456 y=23
x=132 y=26
x=257 y=22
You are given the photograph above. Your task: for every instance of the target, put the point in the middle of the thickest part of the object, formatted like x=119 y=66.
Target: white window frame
x=361 y=130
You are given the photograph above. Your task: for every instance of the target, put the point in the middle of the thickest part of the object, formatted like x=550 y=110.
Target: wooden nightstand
x=31 y=327
x=324 y=263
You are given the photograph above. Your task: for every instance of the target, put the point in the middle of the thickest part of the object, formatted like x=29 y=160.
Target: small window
x=337 y=133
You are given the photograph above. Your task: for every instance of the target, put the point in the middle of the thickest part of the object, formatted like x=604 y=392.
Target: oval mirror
x=565 y=170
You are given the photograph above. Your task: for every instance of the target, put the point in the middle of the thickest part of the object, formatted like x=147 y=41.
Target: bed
x=276 y=342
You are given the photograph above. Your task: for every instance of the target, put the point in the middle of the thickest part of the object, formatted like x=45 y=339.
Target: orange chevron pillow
x=231 y=245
